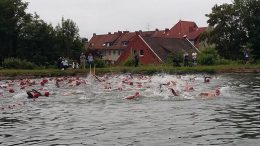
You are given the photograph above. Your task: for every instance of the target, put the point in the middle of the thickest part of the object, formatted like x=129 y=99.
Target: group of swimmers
x=34 y=88
x=142 y=82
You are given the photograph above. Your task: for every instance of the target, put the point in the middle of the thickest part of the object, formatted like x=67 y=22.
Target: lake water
x=90 y=114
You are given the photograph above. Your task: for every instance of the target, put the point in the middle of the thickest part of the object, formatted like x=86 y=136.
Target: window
x=109 y=52
x=124 y=43
x=114 y=52
x=141 y=52
x=119 y=52
x=108 y=44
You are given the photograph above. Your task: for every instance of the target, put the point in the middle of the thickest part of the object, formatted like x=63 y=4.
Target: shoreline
x=10 y=74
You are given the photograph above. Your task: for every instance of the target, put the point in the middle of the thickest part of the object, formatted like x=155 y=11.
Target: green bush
x=130 y=61
x=208 y=55
x=99 y=63
x=16 y=63
x=257 y=61
x=177 y=58
x=223 y=62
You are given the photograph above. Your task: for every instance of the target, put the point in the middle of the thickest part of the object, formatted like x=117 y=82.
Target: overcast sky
x=102 y=16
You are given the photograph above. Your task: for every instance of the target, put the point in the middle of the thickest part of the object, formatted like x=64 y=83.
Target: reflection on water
x=94 y=116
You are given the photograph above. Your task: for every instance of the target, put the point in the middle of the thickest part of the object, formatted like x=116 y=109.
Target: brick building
x=112 y=45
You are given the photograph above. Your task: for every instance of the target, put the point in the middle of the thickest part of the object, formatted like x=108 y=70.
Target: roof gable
x=163 y=46
x=182 y=28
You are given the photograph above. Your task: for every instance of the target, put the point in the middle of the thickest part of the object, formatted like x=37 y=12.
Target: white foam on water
x=20 y=95
x=151 y=87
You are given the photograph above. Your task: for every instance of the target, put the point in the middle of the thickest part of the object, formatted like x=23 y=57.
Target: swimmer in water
x=207 y=79
x=134 y=96
x=188 y=87
x=175 y=93
x=171 y=85
x=33 y=94
x=210 y=94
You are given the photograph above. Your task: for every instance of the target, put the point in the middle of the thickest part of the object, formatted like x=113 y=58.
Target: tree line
x=235 y=28
x=24 y=35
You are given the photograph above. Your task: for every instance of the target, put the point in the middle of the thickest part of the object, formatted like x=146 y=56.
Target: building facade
x=113 y=46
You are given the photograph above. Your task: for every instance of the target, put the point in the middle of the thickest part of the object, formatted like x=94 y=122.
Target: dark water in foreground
x=104 y=118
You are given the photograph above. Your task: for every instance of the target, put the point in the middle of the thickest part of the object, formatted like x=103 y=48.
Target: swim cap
x=11 y=90
x=42 y=83
x=46 y=94
x=36 y=95
x=45 y=80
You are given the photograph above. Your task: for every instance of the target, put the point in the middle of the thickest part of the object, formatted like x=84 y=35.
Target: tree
x=68 y=37
x=235 y=26
x=250 y=17
x=12 y=19
x=26 y=36
x=37 y=42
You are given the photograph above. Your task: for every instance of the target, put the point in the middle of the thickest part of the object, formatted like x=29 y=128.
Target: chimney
x=120 y=32
x=167 y=30
x=109 y=33
x=94 y=34
x=140 y=31
x=125 y=31
x=137 y=32
x=156 y=29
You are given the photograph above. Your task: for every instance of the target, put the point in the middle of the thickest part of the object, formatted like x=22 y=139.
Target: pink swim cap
x=36 y=95
x=46 y=94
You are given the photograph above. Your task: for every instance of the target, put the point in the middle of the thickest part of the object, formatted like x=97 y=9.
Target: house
x=155 y=50
x=112 y=45
x=187 y=29
x=105 y=45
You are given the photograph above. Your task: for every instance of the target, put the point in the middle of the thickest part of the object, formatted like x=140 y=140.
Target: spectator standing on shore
x=59 y=64
x=194 y=58
x=90 y=59
x=65 y=64
x=246 y=55
x=82 y=60
x=186 y=59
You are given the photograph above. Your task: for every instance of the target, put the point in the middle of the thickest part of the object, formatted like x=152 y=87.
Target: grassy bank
x=14 y=73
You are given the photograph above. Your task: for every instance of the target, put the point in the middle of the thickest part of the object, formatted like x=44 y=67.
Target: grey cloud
x=102 y=16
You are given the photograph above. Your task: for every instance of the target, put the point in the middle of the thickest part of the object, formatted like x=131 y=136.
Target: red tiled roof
x=125 y=37
x=188 y=28
x=195 y=34
x=98 y=41
x=161 y=33
x=182 y=28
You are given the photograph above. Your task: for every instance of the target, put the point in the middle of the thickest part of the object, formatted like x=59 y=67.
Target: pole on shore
x=94 y=71
x=90 y=69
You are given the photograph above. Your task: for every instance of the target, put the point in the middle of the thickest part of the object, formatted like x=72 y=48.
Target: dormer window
x=124 y=43
x=108 y=44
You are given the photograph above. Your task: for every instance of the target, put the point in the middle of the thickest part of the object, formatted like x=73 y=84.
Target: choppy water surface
x=89 y=114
